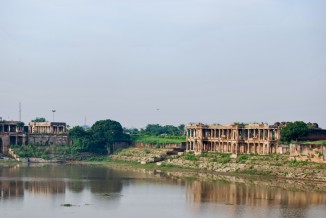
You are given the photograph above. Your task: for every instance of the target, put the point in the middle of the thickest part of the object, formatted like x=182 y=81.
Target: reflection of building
x=47 y=127
x=10 y=189
x=240 y=194
x=46 y=187
x=11 y=133
x=234 y=138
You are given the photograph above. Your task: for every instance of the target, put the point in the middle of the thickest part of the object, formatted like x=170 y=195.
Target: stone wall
x=282 y=149
x=5 y=142
x=49 y=139
x=311 y=152
x=119 y=145
x=155 y=145
x=315 y=134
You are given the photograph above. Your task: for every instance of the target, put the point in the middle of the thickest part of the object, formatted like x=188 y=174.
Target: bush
x=296 y=163
x=221 y=158
x=191 y=156
x=242 y=158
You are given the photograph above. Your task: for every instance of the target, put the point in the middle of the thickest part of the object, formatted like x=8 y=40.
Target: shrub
x=191 y=156
x=242 y=158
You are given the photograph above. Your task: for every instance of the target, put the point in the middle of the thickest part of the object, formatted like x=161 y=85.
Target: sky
x=163 y=61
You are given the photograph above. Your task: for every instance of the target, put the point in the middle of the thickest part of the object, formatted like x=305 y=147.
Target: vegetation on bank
x=58 y=152
x=250 y=164
x=152 y=139
x=319 y=142
x=45 y=152
x=100 y=138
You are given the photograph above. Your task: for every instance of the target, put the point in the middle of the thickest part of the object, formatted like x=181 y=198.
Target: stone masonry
x=235 y=138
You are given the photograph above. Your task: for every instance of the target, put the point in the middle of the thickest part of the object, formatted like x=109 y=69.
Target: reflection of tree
x=52 y=179
x=46 y=187
x=75 y=186
x=104 y=180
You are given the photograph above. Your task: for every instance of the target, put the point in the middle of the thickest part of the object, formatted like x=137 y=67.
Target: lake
x=104 y=191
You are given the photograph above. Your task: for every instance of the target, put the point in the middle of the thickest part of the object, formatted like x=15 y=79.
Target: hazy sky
x=210 y=61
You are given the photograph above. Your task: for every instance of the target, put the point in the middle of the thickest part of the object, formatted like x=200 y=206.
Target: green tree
x=20 y=124
x=182 y=129
x=156 y=129
x=81 y=139
x=105 y=133
x=130 y=130
x=293 y=131
x=39 y=119
x=100 y=138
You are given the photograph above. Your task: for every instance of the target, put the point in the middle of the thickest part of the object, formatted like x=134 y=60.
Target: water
x=99 y=191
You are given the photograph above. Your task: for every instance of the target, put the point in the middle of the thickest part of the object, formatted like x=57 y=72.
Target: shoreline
x=268 y=181
x=171 y=172
x=269 y=166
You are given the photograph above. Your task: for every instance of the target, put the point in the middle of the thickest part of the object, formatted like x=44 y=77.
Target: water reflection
x=105 y=185
x=240 y=194
x=54 y=180
x=10 y=189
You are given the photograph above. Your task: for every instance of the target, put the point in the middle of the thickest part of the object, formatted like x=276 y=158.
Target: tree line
x=157 y=130
x=295 y=130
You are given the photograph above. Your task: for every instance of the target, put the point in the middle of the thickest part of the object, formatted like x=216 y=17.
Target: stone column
x=259 y=134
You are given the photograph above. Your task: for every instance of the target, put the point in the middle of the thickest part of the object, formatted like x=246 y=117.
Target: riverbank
x=181 y=174
x=166 y=170
x=274 y=165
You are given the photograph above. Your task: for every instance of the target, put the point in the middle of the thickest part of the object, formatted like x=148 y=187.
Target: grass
x=98 y=159
x=217 y=157
x=256 y=172
x=296 y=163
x=191 y=156
x=53 y=152
x=149 y=139
x=319 y=142
x=242 y=158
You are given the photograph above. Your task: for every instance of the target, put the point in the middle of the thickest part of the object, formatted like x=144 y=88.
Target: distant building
x=48 y=133
x=235 y=138
x=37 y=133
x=12 y=133
x=47 y=127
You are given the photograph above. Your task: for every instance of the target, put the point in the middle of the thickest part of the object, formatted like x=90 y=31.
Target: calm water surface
x=98 y=191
